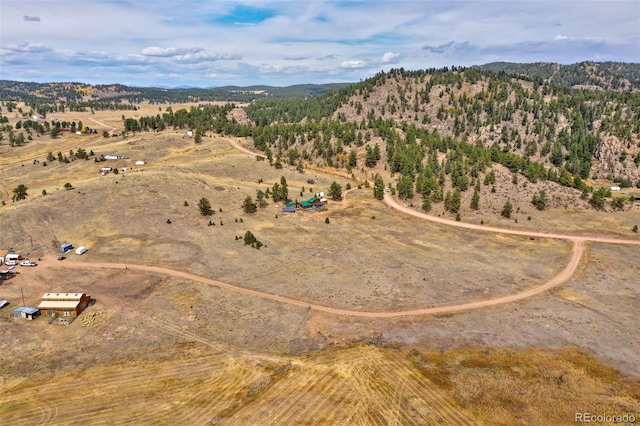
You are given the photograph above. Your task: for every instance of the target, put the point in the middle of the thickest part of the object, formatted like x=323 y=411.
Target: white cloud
x=169 y=51
x=390 y=58
x=183 y=43
x=353 y=64
x=28 y=48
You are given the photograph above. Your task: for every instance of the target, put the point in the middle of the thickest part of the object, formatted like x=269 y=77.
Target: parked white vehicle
x=28 y=263
x=10 y=263
x=3 y=303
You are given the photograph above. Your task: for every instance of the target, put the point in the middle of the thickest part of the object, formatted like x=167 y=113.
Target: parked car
x=61 y=258
x=3 y=303
x=28 y=263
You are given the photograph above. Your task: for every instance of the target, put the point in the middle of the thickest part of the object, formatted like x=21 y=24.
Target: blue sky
x=279 y=43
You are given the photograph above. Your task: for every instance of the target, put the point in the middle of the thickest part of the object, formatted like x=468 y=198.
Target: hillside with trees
x=453 y=139
x=442 y=135
x=618 y=76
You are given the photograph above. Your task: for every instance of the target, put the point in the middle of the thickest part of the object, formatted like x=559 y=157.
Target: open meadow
x=191 y=323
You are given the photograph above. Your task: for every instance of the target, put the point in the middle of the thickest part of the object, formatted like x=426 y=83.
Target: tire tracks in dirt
x=4 y=191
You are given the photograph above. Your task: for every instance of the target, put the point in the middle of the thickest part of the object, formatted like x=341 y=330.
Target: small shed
x=67 y=247
x=26 y=312
x=289 y=209
x=140 y=163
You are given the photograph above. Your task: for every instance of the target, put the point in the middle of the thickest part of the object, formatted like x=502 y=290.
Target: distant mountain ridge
x=81 y=92
x=618 y=76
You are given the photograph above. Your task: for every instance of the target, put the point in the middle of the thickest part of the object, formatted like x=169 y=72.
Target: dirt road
x=391 y=202
x=239 y=147
x=565 y=274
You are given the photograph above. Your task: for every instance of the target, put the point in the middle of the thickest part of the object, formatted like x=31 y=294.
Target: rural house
x=64 y=304
x=312 y=203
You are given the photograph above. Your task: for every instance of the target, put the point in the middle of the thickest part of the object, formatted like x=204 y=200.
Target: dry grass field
x=155 y=347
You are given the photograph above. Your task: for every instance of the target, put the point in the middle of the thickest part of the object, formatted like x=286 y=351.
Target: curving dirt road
x=239 y=147
x=391 y=202
x=564 y=275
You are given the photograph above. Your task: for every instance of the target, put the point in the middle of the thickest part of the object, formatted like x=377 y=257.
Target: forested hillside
x=451 y=136
x=439 y=132
x=595 y=75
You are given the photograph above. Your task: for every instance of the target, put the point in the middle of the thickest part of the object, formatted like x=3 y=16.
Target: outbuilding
x=615 y=188
x=26 y=312
x=67 y=247
x=64 y=304
x=81 y=250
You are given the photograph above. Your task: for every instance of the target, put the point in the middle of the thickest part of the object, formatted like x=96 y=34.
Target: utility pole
x=21 y=292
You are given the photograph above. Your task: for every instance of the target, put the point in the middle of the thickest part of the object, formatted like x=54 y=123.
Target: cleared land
x=211 y=355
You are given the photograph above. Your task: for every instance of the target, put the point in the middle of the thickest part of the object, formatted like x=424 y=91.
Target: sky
x=279 y=43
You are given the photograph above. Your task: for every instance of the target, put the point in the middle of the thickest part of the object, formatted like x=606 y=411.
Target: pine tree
x=20 y=192
x=475 y=200
x=426 y=203
x=353 y=159
x=260 y=199
x=378 y=187
x=205 y=207
x=249 y=206
x=335 y=191
x=284 y=189
x=506 y=210
x=249 y=238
